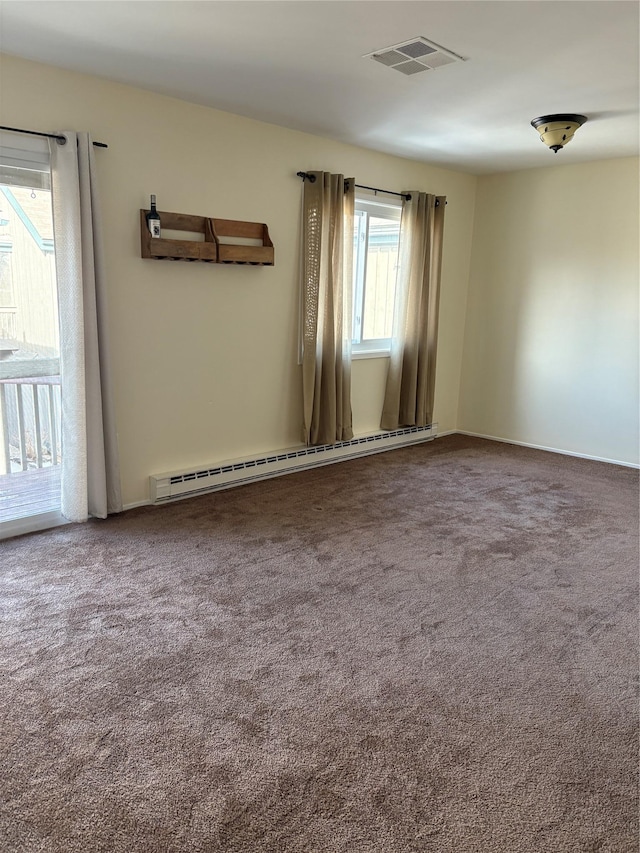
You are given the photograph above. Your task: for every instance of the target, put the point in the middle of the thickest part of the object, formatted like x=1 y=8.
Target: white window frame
x=366 y=206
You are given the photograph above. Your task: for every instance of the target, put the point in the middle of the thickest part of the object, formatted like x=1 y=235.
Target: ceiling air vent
x=413 y=56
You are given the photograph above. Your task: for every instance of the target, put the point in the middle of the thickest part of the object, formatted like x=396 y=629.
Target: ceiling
x=300 y=64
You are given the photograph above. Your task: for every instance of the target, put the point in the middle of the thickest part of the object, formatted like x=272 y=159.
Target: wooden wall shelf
x=213 y=250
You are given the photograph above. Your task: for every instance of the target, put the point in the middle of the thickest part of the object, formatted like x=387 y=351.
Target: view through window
x=376 y=239
x=30 y=398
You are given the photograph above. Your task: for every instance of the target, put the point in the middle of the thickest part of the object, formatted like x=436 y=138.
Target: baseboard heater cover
x=174 y=485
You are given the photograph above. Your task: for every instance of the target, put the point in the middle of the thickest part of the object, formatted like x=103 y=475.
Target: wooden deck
x=28 y=493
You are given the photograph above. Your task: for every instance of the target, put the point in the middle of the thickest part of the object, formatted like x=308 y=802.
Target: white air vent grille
x=410 y=67
x=183 y=484
x=413 y=56
x=389 y=57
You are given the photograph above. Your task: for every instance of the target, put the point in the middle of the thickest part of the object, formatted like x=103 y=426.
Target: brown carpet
x=433 y=649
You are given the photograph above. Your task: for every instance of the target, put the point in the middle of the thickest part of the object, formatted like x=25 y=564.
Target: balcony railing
x=30 y=408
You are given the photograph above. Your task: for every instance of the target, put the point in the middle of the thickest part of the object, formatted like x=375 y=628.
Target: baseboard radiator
x=183 y=484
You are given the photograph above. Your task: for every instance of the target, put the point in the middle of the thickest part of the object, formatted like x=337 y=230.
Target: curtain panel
x=410 y=385
x=327 y=307
x=90 y=469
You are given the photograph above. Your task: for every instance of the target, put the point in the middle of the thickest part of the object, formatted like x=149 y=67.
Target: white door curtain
x=90 y=468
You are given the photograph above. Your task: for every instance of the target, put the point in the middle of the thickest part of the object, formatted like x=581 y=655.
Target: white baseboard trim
x=147 y=502
x=136 y=504
x=547 y=449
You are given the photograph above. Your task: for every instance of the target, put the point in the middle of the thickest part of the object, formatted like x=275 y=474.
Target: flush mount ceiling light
x=556 y=130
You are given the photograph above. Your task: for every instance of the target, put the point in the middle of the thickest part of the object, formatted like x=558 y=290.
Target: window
x=375 y=265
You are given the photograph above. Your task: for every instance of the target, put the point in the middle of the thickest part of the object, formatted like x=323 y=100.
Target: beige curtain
x=412 y=364
x=327 y=235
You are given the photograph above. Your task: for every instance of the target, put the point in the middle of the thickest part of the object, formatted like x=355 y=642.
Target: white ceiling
x=299 y=64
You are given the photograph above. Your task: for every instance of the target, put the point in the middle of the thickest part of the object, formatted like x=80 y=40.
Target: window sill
x=374 y=353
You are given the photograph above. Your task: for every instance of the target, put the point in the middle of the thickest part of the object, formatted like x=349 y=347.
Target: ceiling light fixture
x=556 y=130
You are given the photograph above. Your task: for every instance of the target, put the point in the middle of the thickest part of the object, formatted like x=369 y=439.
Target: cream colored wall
x=551 y=342
x=205 y=358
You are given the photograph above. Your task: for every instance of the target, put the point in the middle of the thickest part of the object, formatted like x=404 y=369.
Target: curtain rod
x=406 y=196
x=312 y=178
x=61 y=139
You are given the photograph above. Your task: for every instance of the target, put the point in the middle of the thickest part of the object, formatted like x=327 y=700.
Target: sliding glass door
x=30 y=393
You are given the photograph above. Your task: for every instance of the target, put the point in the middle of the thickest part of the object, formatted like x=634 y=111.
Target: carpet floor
x=431 y=649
